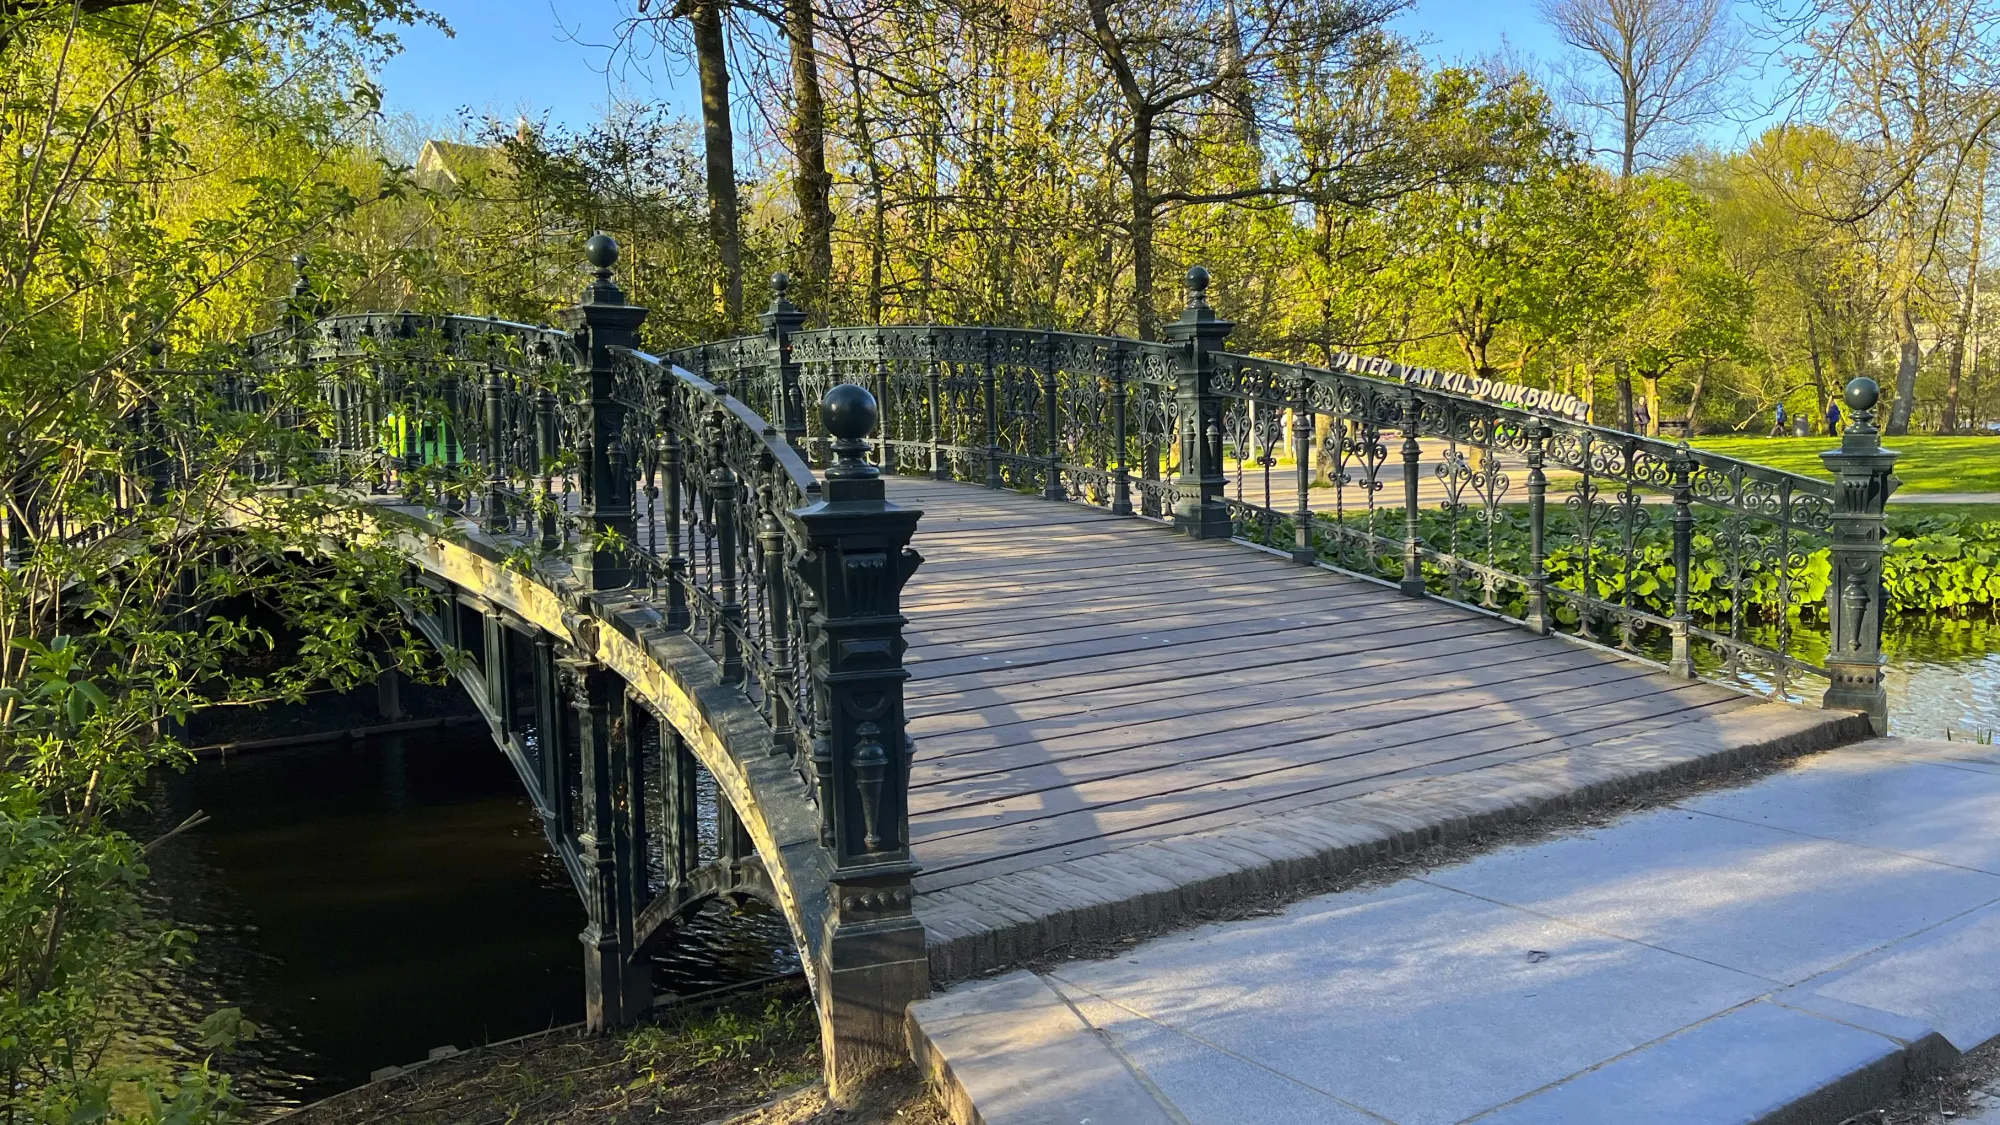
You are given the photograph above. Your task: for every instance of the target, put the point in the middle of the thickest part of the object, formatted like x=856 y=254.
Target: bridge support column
x=873 y=962
x=618 y=988
x=1856 y=597
x=550 y=743
x=1201 y=511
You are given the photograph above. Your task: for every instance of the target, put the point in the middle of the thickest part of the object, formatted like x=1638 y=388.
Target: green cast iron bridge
x=974 y=645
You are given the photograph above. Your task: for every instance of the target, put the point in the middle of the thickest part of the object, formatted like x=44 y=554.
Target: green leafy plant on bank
x=1939 y=563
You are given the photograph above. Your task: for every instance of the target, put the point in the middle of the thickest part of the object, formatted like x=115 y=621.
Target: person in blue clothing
x=1778 y=423
x=1833 y=417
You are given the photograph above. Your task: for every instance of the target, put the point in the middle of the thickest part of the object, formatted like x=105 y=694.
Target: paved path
x=1791 y=950
x=1115 y=724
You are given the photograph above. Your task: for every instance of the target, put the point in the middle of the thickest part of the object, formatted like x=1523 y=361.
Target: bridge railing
x=1709 y=565
x=472 y=415
x=614 y=474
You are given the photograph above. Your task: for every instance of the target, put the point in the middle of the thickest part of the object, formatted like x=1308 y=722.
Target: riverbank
x=751 y=1058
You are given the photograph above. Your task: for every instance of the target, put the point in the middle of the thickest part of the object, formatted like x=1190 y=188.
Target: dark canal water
x=364 y=903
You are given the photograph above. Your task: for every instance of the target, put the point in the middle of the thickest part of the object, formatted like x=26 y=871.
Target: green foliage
x=1940 y=563
x=163 y=161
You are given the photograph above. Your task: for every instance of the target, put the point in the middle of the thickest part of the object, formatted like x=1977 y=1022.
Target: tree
x=1666 y=64
x=1693 y=309
x=1915 y=84
x=1188 y=71
x=163 y=162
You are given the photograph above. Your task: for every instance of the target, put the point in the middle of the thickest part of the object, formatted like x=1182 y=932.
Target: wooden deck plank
x=1224 y=789
x=1089 y=774
x=1666 y=725
x=1188 y=724
x=1084 y=682
x=1004 y=724
x=1245 y=656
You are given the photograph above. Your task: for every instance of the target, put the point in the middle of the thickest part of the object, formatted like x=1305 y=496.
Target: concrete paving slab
x=1927 y=808
x=1762 y=900
x=1207 y=1085
x=1648 y=971
x=1413 y=1002
x=1040 y=1064
x=1758 y=1065
x=1948 y=978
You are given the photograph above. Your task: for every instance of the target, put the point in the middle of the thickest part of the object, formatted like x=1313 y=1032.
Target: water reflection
x=366 y=903
x=1944 y=674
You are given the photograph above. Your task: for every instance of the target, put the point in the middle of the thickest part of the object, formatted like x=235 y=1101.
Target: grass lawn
x=1927 y=464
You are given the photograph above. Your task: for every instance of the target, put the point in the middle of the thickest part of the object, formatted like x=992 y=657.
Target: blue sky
x=513 y=56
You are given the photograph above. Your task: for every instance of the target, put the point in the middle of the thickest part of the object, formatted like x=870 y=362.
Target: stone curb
x=1024 y=916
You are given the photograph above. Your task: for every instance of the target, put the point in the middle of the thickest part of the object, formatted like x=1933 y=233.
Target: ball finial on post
x=848 y=412
x=781 y=283
x=602 y=250
x=1861 y=395
x=1197 y=287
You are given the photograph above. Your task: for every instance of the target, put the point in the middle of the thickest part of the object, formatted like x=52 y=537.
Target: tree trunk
x=1624 y=378
x=711 y=51
x=1909 y=352
x=1139 y=172
x=1693 y=422
x=1966 y=310
x=1652 y=404
x=812 y=185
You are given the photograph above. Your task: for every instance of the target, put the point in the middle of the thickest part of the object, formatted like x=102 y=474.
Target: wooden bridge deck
x=1086 y=684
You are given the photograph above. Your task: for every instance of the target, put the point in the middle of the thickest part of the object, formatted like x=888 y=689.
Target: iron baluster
x=1681 y=661
x=1631 y=516
x=879 y=386
x=779 y=697
x=1052 y=486
x=672 y=468
x=1303 y=426
x=935 y=377
x=723 y=489
x=1121 y=480
x=1537 y=616
x=990 y=385
x=496 y=473
x=548 y=454
x=1413 y=566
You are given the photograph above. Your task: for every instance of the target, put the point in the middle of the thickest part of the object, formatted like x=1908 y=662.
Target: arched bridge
x=1188 y=626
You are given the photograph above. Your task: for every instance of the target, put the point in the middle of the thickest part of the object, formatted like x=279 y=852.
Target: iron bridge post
x=600 y=322
x=1855 y=594
x=1201 y=510
x=874 y=961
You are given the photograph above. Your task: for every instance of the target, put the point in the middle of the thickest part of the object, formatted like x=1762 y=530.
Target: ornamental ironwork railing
x=1708 y=565
x=616 y=471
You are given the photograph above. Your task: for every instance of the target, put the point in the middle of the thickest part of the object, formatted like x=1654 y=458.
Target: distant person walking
x=1642 y=419
x=1778 y=424
x=1833 y=418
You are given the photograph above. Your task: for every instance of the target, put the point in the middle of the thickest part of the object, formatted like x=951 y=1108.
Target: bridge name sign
x=1459 y=383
